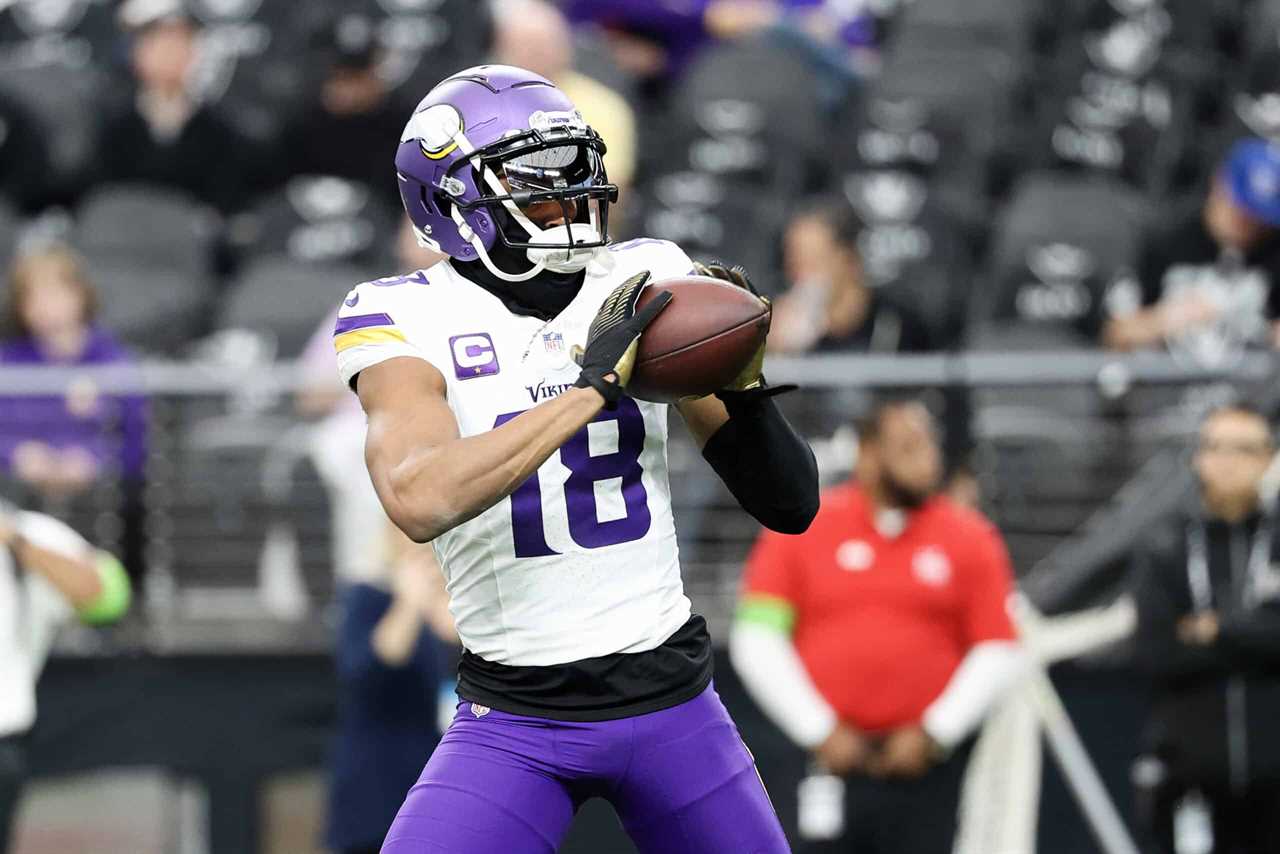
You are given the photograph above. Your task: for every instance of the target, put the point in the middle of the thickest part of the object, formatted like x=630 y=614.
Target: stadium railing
x=237 y=523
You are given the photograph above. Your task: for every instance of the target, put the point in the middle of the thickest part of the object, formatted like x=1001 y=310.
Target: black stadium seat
x=773 y=130
x=253 y=63
x=320 y=219
x=1058 y=244
x=1102 y=216
x=150 y=227
x=425 y=40
x=912 y=246
x=284 y=299
x=154 y=309
x=78 y=34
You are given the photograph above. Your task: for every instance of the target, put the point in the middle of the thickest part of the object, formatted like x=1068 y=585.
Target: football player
x=499 y=430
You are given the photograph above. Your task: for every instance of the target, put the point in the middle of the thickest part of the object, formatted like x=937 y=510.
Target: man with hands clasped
x=877 y=640
x=1208 y=600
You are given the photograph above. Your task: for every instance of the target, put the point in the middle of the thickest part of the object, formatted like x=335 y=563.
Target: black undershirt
x=544 y=296
x=613 y=686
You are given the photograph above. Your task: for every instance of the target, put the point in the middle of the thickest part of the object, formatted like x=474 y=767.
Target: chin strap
x=474 y=239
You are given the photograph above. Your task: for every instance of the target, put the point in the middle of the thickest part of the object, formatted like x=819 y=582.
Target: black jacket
x=1215 y=716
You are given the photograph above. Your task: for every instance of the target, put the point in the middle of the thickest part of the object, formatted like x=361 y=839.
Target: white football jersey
x=581 y=560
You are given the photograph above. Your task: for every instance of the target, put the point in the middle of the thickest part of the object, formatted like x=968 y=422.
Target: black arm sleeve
x=767 y=466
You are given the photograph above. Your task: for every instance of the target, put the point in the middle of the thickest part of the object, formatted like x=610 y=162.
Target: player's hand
x=843 y=751
x=1199 y=629
x=907 y=752
x=751 y=380
x=614 y=335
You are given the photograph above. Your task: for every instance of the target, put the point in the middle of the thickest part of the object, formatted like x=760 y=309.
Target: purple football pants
x=680 y=779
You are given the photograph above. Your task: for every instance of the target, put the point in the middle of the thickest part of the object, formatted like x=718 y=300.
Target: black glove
x=614 y=336
x=748 y=387
x=735 y=275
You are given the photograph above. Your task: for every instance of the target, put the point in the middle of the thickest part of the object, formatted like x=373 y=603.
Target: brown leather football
x=700 y=342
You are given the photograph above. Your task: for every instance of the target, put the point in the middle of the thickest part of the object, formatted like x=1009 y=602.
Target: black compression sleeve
x=769 y=469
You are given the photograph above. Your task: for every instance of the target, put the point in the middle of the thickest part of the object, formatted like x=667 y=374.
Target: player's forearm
x=443 y=486
x=767 y=465
x=75 y=577
x=774 y=676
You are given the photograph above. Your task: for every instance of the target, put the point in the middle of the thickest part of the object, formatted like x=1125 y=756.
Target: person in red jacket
x=879 y=638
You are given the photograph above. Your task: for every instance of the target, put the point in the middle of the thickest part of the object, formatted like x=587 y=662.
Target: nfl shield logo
x=553 y=342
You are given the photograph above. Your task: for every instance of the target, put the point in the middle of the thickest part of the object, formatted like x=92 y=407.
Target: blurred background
x=1056 y=220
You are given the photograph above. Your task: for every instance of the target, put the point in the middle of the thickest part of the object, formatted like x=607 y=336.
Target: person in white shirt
x=48 y=575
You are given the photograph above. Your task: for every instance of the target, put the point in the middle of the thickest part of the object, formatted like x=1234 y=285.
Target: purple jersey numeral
x=585 y=470
x=579 y=488
x=526 y=512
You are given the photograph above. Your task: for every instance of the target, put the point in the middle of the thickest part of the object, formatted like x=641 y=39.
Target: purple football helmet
x=493 y=123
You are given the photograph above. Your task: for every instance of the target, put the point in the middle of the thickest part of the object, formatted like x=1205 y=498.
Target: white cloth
x=599 y=570
x=984 y=674
x=31 y=610
x=769 y=666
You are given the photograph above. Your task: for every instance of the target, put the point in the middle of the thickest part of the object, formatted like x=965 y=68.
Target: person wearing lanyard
x=1208 y=636
x=48 y=574
x=877 y=640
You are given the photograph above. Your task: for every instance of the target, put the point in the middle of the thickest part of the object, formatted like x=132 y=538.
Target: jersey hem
x=630 y=710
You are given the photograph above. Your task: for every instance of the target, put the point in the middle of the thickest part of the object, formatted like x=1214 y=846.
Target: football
x=700 y=342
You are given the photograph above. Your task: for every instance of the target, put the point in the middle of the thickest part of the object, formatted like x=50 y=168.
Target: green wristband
x=113 y=602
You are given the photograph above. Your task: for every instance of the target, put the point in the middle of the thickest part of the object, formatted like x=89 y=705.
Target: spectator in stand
x=158 y=132
x=534 y=34
x=1208 y=284
x=878 y=639
x=59 y=446
x=652 y=40
x=1208 y=600
x=346 y=126
x=655 y=40
x=829 y=305
x=48 y=574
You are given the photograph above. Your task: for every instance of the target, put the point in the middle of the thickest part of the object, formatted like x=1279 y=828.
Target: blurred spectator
x=829 y=305
x=653 y=40
x=346 y=129
x=389 y=679
x=1206 y=284
x=1209 y=636
x=61 y=445
x=878 y=640
x=391 y=600
x=159 y=132
x=534 y=34
x=24 y=155
x=48 y=574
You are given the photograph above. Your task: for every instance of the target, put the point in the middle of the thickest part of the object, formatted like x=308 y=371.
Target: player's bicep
x=409 y=415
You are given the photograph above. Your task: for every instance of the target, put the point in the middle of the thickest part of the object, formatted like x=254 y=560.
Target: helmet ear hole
x=442 y=203
x=437 y=203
